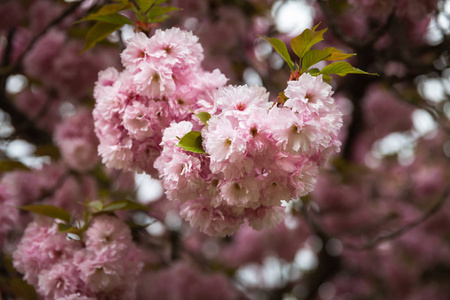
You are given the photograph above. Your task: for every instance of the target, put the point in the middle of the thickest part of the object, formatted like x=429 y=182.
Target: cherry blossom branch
x=399 y=232
x=438 y=116
x=55 y=22
x=24 y=126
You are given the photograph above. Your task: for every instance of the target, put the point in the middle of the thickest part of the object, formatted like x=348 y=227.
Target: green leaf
x=314 y=72
x=66 y=228
x=312 y=57
x=124 y=205
x=113 y=8
x=204 y=116
x=326 y=78
x=158 y=11
x=281 y=48
x=110 y=10
x=49 y=211
x=308 y=38
x=144 y=5
x=98 y=32
x=96 y=206
x=160 y=19
x=338 y=54
x=192 y=142
x=343 y=68
x=12 y=165
x=110 y=18
x=63 y=227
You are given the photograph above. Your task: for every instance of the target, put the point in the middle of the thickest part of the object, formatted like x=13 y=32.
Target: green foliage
x=95 y=206
x=117 y=19
x=301 y=46
x=342 y=68
x=92 y=208
x=312 y=57
x=144 y=5
x=49 y=211
x=308 y=38
x=159 y=13
x=314 y=71
x=109 y=19
x=98 y=32
x=281 y=48
x=113 y=8
x=204 y=116
x=124 y=205
x=110 y=14
x=192 y=142
x=338 y=54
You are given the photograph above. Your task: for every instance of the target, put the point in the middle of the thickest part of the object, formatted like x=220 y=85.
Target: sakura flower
x=308 y=92
x=242 y=98
x=265 y=217
x=174 y=46
x=292 y=131
x=108 y=235
x=243 y=192
x=59 y=280
x=154 y=80
x=222 y=139
x=77 y=141
x=137 y=122
x=41 y=247
x=136 y=51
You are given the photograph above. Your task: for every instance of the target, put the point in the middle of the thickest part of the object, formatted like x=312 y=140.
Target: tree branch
x=399 y=232
x=23 y=125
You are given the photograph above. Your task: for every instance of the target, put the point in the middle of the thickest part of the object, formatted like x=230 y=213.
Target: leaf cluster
x=307 y=57
x=110 y=18
x=92 y=209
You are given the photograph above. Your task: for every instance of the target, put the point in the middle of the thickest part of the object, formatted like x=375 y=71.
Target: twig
x=436 y=115
x=21 y=122
x=55 y=22
x=399 y=232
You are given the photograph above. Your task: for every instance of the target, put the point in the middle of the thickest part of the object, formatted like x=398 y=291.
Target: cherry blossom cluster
x=105 y=264
x=54 y=61
x=77 y=141
x=257 y=154
x=52 y=185
x=161 y=83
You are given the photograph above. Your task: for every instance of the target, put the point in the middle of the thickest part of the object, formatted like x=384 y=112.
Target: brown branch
x=23 y=125
x=437 y=116
x=24 y=128
x=59 y=19
x=399 y=232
